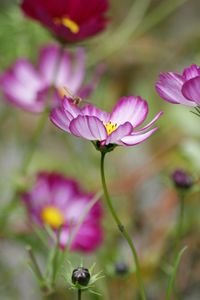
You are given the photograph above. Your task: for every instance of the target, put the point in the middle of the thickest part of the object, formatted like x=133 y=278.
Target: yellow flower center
x=67 y=22
x=110 y=127
x=52 y=216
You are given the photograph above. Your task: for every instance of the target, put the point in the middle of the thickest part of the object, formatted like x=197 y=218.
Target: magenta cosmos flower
x=69 y=20
x=27 y=87
x=115 y=128
x=180 y=88
x=57 y=201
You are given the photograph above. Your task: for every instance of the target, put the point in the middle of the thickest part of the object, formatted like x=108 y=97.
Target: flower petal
x=88 y=127
x=169 y=88
x=119 y=133
x=48 y=64
x=135 y=139
x=191 y=90
x=191 y=72
x=59 y=118
x=24 y=87
x=88 y=238
x=89 y=15
x=77 y=76
x=71 y=107
x=151 y=123
x=129 y=109
x=91 y=110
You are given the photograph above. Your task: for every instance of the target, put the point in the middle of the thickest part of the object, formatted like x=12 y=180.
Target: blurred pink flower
x=27 y=87
x=118 y=128
x=58 y=201
x=70 y=20
x=180 y=88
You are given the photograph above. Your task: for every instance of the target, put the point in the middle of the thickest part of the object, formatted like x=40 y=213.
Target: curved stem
x=122 y=230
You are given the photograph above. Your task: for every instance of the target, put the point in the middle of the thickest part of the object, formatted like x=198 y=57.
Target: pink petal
x=60 y=119
x=191 y=72
x=151 y=123
x=24 y=77
x=21 y=96
x=119 y=133
x=191 y=90
x=71 y=107
x=129 y=109
x=88 y=238
x=169 y=88
x=91 y=110
x=25 y=73
x=132 y=140
x=78 y=73
x=90 y=128
x=55 y=70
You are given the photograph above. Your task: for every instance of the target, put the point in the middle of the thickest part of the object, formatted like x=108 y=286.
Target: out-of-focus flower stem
x=122 y=229
x=34 y=263
x=79 y=294
x=180 y=217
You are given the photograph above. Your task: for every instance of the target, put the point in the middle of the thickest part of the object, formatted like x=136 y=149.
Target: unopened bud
x=182 y=179
x=81 y=276
x=121 y=268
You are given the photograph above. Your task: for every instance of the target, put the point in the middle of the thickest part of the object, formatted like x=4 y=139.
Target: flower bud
x=182 y=179
x=81 y=276
x=121 y=268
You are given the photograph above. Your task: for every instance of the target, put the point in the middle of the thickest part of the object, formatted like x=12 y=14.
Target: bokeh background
x=143 y=38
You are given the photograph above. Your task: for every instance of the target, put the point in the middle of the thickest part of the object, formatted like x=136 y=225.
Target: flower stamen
x=68 y=23
x=52 y=216
x=110 y=127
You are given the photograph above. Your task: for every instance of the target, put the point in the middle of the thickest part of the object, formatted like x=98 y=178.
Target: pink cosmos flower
x=59 y=201
x=27 y=87
x=180 y=88
x=69 y=20
x=115 y=128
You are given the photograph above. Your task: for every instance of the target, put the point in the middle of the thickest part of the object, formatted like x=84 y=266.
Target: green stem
x=122 y=229
x=180 y=217
x=79 y=294
x=37 y=271
x=55 y=258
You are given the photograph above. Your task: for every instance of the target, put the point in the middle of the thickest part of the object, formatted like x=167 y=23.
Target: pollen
x=52 y=216
x=110 y=127
x=68 y=23
x=62 y=92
